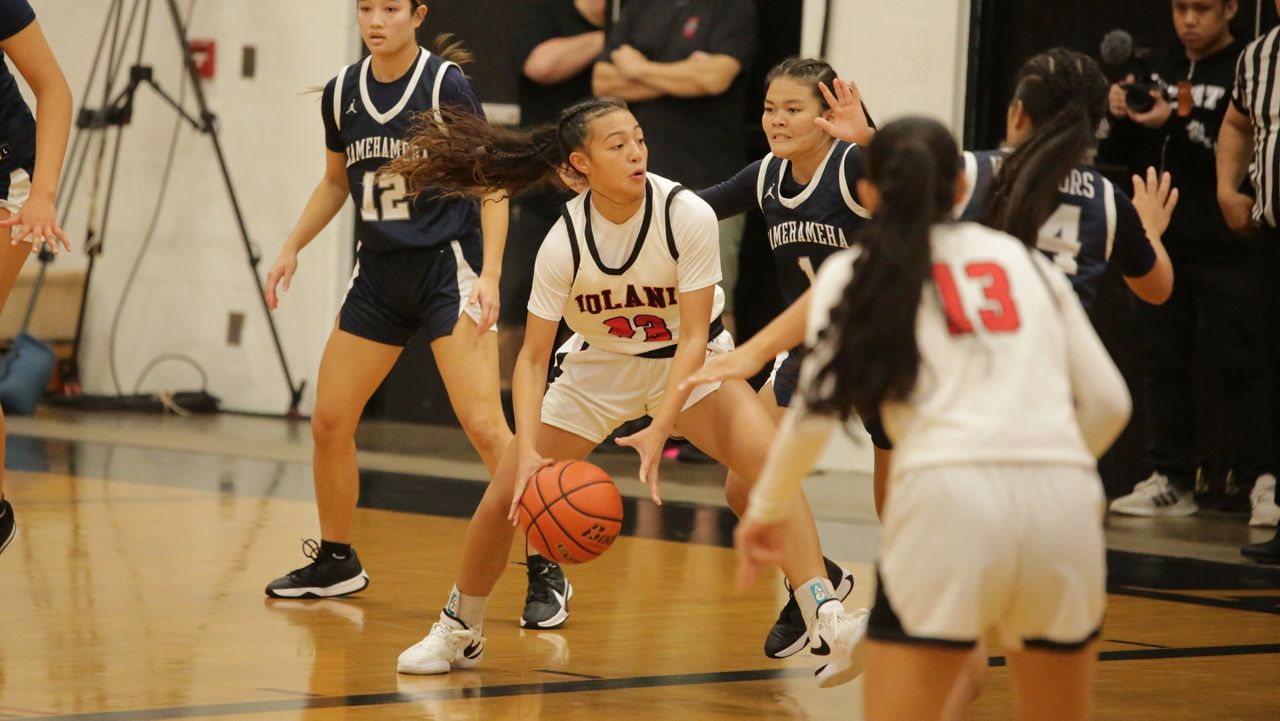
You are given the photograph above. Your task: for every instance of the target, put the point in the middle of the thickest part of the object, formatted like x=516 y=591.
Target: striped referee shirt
x=1257 y=96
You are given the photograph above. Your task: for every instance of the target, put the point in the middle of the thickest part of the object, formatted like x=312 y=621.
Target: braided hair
x=1064 y=94
x=869 y=347
x=464 y=155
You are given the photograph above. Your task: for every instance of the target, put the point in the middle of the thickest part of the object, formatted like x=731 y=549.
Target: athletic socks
x=814 y=593
x=468 y=609
x=339 y=551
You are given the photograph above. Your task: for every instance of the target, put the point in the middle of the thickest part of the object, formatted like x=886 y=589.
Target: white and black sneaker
x=1266 y=514
x=790 y=634
x=8 y=526
x=1156 y=497
x=837 y=642
x=325 y=577
x=451 y=644
x=546 y=604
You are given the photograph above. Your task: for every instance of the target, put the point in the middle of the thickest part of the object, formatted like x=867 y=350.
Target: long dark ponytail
x=1064 y=93
x=869 y=350
x=462 y=154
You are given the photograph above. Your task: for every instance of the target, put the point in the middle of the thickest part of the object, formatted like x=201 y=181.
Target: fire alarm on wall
x=204 y=54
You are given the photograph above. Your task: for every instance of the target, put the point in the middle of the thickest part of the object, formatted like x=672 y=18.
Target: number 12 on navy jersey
x=1000 y=315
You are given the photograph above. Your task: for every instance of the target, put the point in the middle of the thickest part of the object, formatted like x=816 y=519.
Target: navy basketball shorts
x=15 y=185
x=394 y=294
x=785 y=378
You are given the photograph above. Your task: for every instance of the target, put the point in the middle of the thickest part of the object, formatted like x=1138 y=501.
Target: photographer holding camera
x=1178 y=111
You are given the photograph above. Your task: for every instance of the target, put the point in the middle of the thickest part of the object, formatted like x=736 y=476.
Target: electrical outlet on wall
x=249 y=61
x=235 y=328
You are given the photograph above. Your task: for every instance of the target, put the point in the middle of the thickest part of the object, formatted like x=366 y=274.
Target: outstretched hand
x=759 y=544
x=649 y=443
x=36 y=222
x=527 y=466
x=848 y=119
x=1154 y=197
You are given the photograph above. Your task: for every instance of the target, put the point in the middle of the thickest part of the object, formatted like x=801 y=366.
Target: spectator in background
x=1215 y=282
x=679 y=64
x=1248 y=143
x=556 y=43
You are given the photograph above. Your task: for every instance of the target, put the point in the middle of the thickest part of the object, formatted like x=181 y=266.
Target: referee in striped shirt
x=1249 y=144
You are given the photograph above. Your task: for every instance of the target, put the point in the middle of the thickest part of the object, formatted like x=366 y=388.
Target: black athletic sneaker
x=546 y=605
x=789 y=634
x=8 y=526
x=324 y=577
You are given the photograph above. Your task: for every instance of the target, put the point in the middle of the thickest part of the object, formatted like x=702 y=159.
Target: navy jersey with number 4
x=1093 y=224
x=17 y=126
x=805 y=224
x=367 y=121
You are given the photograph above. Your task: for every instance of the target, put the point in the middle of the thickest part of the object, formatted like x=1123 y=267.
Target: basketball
x=571 y=512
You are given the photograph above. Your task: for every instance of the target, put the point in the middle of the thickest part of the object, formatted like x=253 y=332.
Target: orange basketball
x=571 y=512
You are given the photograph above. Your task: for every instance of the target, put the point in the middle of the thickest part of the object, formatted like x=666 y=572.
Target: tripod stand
x=116 y=112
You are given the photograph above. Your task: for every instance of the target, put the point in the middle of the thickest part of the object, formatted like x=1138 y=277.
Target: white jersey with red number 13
x=618 y=285
x=992 y=331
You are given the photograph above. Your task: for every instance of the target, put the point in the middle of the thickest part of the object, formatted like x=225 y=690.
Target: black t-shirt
x=17 y=126
x=540 y=21
x=695 y=141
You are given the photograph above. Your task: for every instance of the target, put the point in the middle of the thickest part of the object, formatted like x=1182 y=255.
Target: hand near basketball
x=485 y=293
x=649 y=443
x=528 y=463
x=848 y=120
x=758 y=544
x=38 y=223
x=281 y=274
x=1154 y=198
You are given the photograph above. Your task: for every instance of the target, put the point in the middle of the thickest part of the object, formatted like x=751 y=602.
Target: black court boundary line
x=604 y=684
x=1174 y=597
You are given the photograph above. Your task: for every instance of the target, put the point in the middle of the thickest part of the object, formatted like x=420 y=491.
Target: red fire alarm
x=204 y=53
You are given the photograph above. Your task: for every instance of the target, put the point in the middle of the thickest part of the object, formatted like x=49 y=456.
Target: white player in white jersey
x=632 y=268
x=998 y=396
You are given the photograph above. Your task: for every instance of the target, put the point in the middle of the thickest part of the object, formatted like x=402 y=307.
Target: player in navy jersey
x=806 y=187
x=1094 y=223
x=423 y=261
x=632 y=267
x=31 y=155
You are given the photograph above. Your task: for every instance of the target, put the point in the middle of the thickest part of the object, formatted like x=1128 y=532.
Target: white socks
x=814 y=593
x=468 y=609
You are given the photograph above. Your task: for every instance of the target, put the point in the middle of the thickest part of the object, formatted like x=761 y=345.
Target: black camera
x=1137 y=95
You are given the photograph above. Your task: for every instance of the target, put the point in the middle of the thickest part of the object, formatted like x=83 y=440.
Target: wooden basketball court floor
x=134 y=591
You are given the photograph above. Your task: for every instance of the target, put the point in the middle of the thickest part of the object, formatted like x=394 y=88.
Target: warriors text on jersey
x=618 y=285
x=367 y=121
x=1092 y=224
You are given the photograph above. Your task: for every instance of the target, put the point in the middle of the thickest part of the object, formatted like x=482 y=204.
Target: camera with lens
x=1137 y=95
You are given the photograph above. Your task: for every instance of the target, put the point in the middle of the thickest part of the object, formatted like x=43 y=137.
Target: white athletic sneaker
x=1263 y=499
x=1155 y=497
x=449 y=645
x=837 y=637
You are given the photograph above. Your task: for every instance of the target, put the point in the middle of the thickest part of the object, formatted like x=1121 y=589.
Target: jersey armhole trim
x=971 y=181
x=845 y=191
x=671 y=233
x=1109 y=201
x=574 y=250
x=337 y=98
x=760 y=178
x=435 y=90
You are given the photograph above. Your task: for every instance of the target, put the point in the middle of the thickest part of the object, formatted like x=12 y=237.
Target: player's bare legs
x=910 y=682
x=487 y=544
x=733 y=427
x=11 y=259
x=468 y=364
x=1053 y=685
